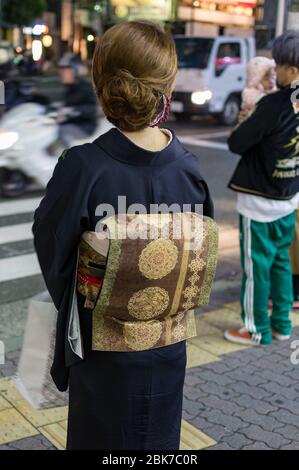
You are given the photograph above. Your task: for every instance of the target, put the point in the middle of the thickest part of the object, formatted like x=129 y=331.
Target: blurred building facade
x=78 y=22
x=293 y=15
x=214 y=17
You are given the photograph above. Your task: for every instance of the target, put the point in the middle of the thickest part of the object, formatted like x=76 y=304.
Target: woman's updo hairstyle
x=134 y=63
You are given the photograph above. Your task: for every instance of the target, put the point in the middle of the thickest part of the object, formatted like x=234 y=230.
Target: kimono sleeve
x=59 y=221
x=208 y=205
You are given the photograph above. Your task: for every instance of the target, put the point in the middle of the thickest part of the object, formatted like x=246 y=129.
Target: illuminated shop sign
x=228 y=6
x=221 y=12
x=236 y=3
x=134 y=9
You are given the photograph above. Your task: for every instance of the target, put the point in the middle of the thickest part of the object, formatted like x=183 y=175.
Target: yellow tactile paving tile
x=211 y=326
x=235 y=306
x=56 y=434
x=36 y=417
x=295 y=318
x=8 y=390
x=14 y=426
x=19 y=420
x=217 y=345
x=193 y=439
x=63 y=424
x=223 y=318
x=40 y=418
x=197 y=356
x=204 y=328
x=4 y=404
x=209 y=344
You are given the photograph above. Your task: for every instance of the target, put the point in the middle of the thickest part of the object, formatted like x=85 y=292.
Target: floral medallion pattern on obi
x=158 y=259
x=148 y=303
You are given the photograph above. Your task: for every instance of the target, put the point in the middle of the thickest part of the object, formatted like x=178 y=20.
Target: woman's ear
x=293 y=71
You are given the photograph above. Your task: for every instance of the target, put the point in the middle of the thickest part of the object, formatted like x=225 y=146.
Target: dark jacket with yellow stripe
x=268 y=142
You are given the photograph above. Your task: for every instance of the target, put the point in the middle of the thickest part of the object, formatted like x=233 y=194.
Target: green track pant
x=266 y=273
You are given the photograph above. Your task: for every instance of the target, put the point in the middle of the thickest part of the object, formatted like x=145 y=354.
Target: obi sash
x=158 y=269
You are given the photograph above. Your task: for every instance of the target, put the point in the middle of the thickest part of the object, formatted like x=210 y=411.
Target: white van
x=211 y=76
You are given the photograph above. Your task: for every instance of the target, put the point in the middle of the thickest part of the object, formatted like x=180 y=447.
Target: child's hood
x=256 y=70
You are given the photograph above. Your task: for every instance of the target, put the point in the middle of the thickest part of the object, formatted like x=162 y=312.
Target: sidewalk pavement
x=235 y=397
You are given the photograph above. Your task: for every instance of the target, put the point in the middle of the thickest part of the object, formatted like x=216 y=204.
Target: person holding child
x=267 y=183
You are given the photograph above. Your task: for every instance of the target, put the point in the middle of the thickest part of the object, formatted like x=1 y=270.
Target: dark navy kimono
x=85 y=177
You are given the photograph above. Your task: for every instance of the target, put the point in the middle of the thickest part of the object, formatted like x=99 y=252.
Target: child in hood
x=261 y=80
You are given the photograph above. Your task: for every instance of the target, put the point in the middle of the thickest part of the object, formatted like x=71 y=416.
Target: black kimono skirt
x=118 y=400
x=125 y=400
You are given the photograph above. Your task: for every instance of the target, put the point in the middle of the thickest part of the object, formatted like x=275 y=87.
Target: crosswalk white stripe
x=15 y=233
x=208 y=135
x=203 y=143
x=17 y=267
x=19 y=206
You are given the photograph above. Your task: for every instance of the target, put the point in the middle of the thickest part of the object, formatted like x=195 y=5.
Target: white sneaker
x=279 y=336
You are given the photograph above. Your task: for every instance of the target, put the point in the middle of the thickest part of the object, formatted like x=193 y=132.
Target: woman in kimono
x=118 y=399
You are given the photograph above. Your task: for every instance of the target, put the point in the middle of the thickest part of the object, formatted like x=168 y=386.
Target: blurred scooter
x=26 y=133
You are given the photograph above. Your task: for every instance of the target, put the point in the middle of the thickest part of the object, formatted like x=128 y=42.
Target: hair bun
x=129 y=81
x=132 y=101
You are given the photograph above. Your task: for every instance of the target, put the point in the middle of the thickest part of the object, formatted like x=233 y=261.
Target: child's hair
x=133 y=64
x=257 y=68
x=286 y=49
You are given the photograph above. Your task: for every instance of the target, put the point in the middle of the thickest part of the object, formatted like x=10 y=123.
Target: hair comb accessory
x=164 y=115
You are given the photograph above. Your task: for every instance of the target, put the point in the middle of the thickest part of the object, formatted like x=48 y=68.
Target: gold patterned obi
x=159 y=268
x=91 y=268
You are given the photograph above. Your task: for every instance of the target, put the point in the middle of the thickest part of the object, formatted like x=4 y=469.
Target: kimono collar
x=120 y=147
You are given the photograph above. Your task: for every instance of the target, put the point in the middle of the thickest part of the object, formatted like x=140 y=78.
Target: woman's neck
x=150 y=138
